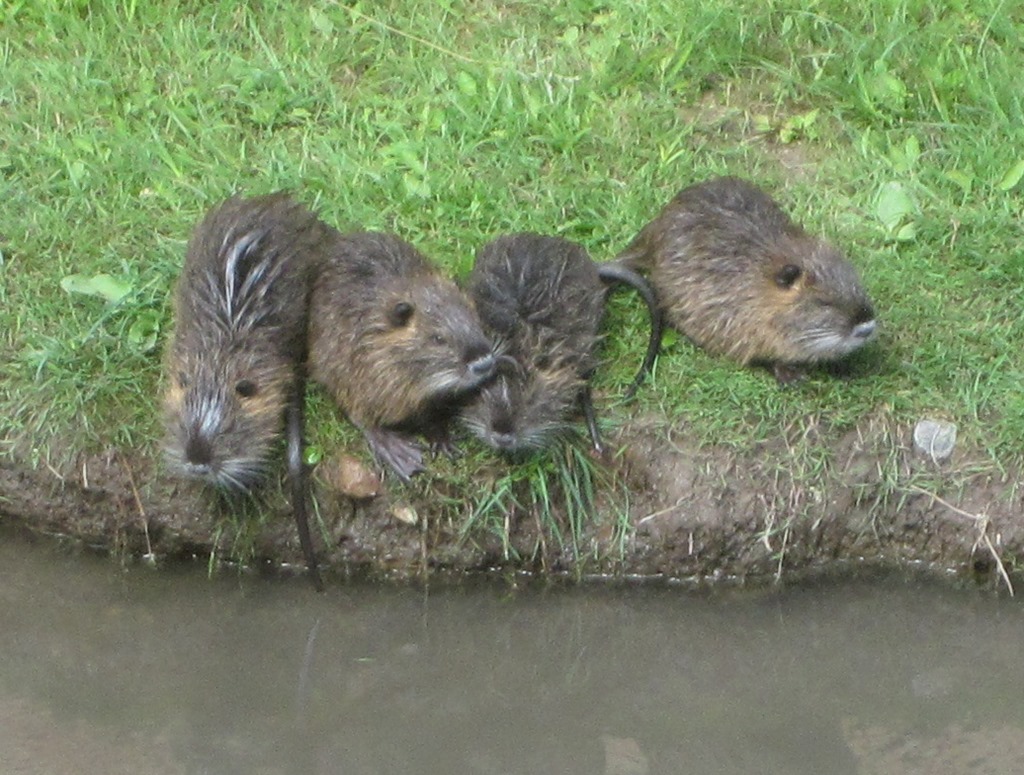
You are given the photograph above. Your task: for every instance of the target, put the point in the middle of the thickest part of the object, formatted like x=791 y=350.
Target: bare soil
x=672 y=508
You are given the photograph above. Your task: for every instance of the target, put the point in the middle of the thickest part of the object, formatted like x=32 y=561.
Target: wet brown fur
x=240 y=308
x=390 y=337
x=542 y=300
x=738 y=277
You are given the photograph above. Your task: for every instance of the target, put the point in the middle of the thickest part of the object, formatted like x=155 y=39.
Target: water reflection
x=108 y=671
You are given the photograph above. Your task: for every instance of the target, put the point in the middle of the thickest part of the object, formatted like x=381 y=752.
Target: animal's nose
x=505 y=441
x=483 y=366
x=865 y=314
x=865 y=330
x=199 y=451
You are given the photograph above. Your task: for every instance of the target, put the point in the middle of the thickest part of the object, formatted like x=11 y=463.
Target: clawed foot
x=400 y=453
x=439 y=442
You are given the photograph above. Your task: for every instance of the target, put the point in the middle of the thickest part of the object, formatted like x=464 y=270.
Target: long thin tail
x=618 y=272
x=299 y=481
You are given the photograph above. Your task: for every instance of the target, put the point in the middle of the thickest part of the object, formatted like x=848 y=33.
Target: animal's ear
x=400 y=314
x=788 y=275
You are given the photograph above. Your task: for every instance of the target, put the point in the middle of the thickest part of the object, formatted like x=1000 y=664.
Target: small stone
x=935 y=438
x=351 y=478
x=405 y=514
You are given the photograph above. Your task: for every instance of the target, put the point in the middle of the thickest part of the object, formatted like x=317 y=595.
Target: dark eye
x=542 y=362
x=788 y=275
x=182 y=380
x=246 y=388
x=437 y=339
x=400 y=314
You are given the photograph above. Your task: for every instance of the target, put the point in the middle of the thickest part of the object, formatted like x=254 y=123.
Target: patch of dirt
x=743 y=115
x=770 y=510
x=804 y=502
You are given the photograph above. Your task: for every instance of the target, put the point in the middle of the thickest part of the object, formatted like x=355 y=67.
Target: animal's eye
x=183 y=380
x=246 y=388
x=542 y=362
x=437 y=339
x=400 y=314
x=788 y=275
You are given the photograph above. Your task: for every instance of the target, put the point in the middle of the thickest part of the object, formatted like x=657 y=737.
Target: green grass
x=557 y=491
x=895 y=128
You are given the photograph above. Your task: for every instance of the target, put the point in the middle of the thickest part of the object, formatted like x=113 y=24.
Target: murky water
x=107 y=671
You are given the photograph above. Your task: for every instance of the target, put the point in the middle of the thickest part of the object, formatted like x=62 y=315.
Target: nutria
x=234 y=364
x=394 y=341
x=739 y=278
x=542 y=299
